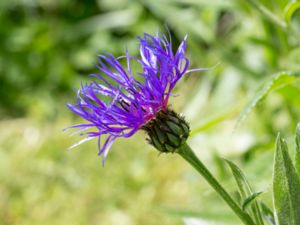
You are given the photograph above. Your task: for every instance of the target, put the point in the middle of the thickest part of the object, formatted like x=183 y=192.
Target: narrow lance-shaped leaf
x=276 y=82
x=248 y=200
x=297 y=156
x=286 y=187
x=215 y=120
x=268 y=214
x=290 y=10
x=246 y=193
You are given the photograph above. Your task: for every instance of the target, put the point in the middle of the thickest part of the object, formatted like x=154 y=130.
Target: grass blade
x=248 y=200
x=290 y=9
x=267 y=214
x=276 y=82
x=297 y=156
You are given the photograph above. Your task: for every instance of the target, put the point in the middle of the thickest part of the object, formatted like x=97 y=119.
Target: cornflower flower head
x=118 y=104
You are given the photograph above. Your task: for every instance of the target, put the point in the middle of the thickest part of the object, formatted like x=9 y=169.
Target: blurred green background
x=48 y=47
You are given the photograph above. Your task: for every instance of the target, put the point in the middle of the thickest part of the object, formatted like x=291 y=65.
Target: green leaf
x=286 y=187
x=297 y=156
x=276 y=82
x=215 y=120
x=290 y=9
x=246 y=193
x=268 y=14
x=267 y=214
x=250 y=199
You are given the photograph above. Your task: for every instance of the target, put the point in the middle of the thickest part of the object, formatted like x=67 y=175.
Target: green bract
x=167 y=131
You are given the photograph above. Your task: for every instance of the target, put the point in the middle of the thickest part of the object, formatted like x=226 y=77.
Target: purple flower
x=118 y=104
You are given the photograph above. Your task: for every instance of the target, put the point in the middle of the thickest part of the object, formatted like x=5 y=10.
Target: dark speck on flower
x=117 y=104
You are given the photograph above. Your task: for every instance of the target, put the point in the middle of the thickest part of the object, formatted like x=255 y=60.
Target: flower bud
x=167 y=131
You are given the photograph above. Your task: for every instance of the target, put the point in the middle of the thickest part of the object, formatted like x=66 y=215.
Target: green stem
x=187 y=153
x=274 y=19
x=268 y=14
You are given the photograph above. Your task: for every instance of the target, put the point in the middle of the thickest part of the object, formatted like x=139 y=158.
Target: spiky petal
x=119 y=102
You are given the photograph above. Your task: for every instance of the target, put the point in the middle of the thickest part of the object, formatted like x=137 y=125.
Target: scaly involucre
x=117 y=104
